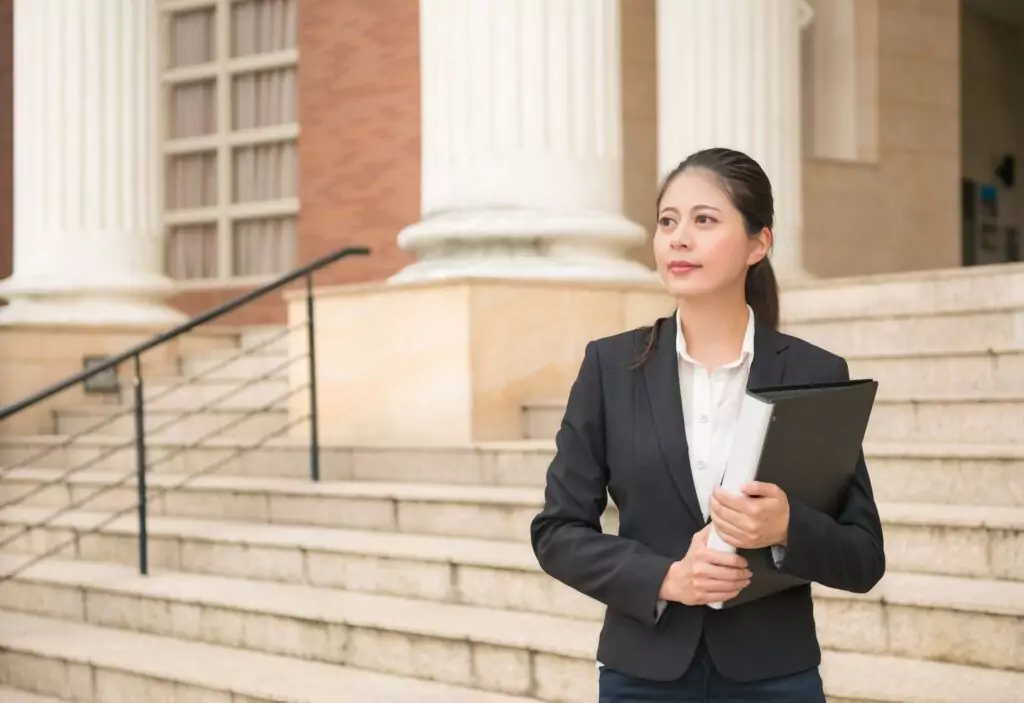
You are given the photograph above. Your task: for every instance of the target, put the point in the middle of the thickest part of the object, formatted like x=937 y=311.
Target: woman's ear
x=760 y=246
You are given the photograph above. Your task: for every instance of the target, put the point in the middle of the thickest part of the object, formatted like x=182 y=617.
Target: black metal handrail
x=219 y=311
x=138 y=406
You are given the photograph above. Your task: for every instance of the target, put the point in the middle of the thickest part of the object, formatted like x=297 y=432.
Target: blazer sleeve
x=566 y=535
x=845 y=553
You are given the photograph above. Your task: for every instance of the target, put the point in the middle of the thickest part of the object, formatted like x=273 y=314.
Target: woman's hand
x=705 y=575
x=757 y=518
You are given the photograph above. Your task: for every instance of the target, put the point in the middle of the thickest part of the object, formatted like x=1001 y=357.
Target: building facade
x=168 y=154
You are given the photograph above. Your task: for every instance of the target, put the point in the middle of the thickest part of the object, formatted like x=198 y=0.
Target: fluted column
x=729 y=76
x=521 y=142
x=87 y=241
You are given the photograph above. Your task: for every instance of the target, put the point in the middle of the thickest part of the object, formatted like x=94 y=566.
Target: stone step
x=961 y=418
x=176 y=424
x=988 y=541
x=468 y=571
x=267 y=337
x=182 y=394
x=913 y=293
x=518 y=463
x=974 y=372
x=985 y=418
x=549 y=657
x=924 y=473
x=953 y=619
x=219 y=365
x=83 y=662
x=915 y=615
x=15 y=695
x=999 y=327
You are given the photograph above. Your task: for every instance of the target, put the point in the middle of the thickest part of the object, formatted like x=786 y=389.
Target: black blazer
x=623 y=434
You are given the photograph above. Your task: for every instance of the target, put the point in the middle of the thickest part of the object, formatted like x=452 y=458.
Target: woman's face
x=701 y=245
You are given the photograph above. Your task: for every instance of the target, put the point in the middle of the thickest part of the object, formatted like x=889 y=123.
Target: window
x=840 y=80
x=230 y=159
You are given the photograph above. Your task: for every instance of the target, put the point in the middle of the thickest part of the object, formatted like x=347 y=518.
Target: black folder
x=812 y=439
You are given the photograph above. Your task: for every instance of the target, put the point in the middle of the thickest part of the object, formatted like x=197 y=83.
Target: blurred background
x=229 y=443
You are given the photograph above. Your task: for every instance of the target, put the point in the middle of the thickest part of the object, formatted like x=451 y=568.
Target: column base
x=138 y=301
x=453 y=362
x=523 y=245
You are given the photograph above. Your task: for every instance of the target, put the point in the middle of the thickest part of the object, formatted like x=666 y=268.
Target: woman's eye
x=704 y=219
x=665 y=222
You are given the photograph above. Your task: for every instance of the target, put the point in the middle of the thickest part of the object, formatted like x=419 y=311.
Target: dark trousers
x=703 y=684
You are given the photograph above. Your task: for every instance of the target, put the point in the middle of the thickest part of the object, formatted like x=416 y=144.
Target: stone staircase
x=407 y=575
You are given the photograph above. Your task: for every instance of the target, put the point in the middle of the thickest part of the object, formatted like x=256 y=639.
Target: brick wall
x=268 y=310
x=359 y=148
x=359 y=152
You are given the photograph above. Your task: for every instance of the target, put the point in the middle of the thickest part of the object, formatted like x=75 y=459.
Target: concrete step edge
x=16 y=695
x=221 y=669
x=277 y=408
x=866 y=677
x=955 y=593
x=913 y=514
x=887 y=450
x=480 y=626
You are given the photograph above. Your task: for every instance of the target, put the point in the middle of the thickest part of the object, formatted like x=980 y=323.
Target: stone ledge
x=107 y=657
x=287 y=619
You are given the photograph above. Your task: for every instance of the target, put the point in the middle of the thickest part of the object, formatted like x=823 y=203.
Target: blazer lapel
x=769 y=363
x=661 y=376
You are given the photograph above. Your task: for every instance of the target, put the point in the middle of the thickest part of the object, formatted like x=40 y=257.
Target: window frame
x=224 y=141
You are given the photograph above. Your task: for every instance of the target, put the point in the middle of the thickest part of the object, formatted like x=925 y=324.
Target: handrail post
x=140 y=467
x=314 y=439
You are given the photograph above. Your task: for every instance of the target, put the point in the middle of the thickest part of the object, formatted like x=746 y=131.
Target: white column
x=729 y=76
x=87 y=240
x=521 y=142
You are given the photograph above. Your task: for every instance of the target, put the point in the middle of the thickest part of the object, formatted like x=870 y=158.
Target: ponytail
x=762 y=293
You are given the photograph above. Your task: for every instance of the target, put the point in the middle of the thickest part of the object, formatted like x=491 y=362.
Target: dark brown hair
x=750 y=191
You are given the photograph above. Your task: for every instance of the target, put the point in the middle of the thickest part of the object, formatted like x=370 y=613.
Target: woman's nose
x=679 y=239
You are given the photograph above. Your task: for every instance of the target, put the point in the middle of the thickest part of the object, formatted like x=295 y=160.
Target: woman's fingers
x=715 y=572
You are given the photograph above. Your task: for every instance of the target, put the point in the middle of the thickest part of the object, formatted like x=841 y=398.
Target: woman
x=650 y=420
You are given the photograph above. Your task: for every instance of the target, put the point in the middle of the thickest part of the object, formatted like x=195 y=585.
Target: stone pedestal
x=450 y=362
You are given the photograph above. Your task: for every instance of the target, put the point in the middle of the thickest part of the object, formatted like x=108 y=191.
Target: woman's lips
x=682 y=267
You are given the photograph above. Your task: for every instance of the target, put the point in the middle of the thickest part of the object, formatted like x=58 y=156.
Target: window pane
x=193 y=109
x=192 y=38
x=266 y=172
x=263 y=246
x=265 y=98
x=192 y=181
x=263 y=26
x=192 y=251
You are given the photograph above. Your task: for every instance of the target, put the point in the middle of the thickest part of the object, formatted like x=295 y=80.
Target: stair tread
x=940 y=514
x=107 y=410
x=847 y=675
x=962 y=593
x=935 y=353
x=15 y=695
x=398 y=545
x=242 y=672
x=872 y=677
x=442 y=492
x=953 y=515
x=508 y=628
x=237 y=354
x=924 y=396
x=990 y=596
x=907 y=450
